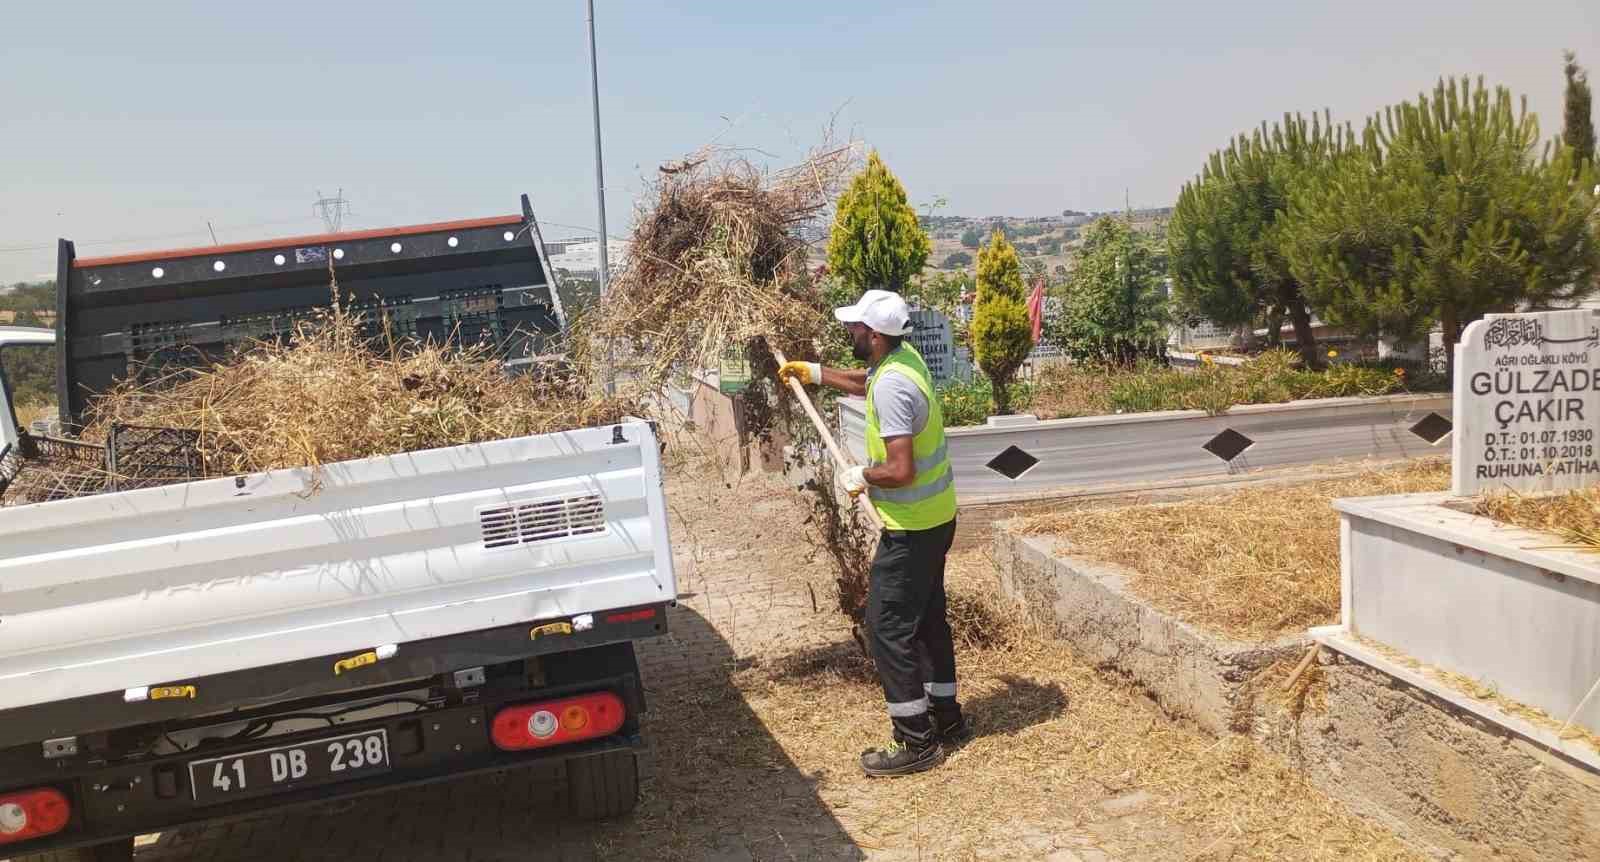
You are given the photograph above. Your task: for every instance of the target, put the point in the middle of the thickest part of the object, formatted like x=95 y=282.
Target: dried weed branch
x=717 y=261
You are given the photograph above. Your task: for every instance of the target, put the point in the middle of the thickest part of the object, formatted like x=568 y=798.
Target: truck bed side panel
x=147 y=587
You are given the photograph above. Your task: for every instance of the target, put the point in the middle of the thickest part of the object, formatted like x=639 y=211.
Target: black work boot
x=949 y=725
x=899 y=758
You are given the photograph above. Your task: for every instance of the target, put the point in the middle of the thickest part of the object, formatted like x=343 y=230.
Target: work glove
x=853 y=480
x=808 y=373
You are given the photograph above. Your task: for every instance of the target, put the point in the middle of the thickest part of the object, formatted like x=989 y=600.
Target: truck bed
x=166 y=586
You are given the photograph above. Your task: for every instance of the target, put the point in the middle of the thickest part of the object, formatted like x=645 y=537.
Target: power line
x=17 y=249
x=589 y=229
x=333 y=210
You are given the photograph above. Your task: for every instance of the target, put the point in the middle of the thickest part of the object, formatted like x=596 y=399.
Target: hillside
x=25 y=304
x=1046 y=242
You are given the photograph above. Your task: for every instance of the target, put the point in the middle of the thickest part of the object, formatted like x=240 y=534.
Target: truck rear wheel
x=602 y=786
x=120 y=850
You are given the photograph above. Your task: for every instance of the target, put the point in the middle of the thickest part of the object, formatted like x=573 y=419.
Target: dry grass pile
x=1574 y=516
x=716 y=261
x=1252 y=564
x=718 y=265
x=327 y=395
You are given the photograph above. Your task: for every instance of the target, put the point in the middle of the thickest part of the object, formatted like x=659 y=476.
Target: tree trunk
x=1000 y=392
x=1275 y=327
x=1305 y=337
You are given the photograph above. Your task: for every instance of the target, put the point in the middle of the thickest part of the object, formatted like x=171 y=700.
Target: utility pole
x=599 y=165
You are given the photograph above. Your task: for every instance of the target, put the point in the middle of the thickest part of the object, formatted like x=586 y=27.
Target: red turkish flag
x=1036 y=309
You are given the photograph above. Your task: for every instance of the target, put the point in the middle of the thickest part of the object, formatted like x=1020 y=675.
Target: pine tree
x=1445 y=212
x=877 y=240
x=1225 y=240
x=1579 y=132
x=1002 y=336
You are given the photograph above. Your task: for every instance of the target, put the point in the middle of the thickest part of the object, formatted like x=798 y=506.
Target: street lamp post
x=600 y=187
x=599 y=165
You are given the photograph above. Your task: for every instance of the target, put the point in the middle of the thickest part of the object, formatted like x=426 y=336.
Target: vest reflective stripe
x=930 y=461
x=930 y=500
x=913 y=494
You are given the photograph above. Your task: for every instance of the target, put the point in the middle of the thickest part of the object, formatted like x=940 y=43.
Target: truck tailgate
x=118 y=591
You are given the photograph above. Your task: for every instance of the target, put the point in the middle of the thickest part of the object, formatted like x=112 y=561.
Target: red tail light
x=638 y=616
x=32 y=814
x=557 y=722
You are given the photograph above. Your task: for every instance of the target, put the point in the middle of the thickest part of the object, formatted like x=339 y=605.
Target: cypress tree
x=1002 y=336
x=877 y=240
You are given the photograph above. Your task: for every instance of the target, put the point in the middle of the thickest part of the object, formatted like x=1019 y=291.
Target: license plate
x=289 y=767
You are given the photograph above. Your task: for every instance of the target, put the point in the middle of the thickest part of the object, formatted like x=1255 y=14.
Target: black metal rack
x=480 y=281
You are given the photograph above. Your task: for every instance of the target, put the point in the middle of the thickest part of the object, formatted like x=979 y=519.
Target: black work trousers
x=910 y=636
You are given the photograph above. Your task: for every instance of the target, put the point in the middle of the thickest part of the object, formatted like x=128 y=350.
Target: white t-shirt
x=902 y=408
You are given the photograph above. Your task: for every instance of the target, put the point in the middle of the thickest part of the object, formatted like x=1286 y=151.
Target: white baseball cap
x=882 y=310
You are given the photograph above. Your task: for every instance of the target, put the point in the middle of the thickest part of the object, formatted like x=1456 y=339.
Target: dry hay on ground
x=1574 y=516
x=716 y=262
x=328 y=396
x=1251 y=564
x=1056 y=739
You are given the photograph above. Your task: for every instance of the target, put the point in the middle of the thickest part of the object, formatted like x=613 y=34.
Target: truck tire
x=120 y=850
x=602 y=786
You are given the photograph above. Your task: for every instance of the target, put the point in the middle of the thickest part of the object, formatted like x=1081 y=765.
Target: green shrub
x=1273 y=377
x=968 y=403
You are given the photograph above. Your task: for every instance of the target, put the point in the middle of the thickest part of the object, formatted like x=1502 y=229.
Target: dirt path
x=760 y=704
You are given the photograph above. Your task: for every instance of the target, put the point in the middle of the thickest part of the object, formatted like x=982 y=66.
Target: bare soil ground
x=760 y=704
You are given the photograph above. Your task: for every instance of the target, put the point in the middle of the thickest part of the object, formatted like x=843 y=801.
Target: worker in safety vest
x=909 y=482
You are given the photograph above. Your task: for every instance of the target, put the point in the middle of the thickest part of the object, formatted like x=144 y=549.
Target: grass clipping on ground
x=1574 y=515
x=329 y=395
x=1056 y=739
x=1252 y=564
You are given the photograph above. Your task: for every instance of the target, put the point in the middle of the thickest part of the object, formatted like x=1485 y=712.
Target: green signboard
x=733 y=372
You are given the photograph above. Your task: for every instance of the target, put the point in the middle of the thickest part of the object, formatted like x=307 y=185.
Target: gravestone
x=1527 y=403
x=932 y=337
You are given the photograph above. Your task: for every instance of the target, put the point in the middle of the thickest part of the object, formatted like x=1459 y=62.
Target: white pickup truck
x=213 y=648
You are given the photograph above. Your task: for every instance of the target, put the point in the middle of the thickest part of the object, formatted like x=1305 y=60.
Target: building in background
x=580 y=256
x=576 y=262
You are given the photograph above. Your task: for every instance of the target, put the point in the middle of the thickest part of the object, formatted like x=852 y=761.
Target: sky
x=129 y=126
